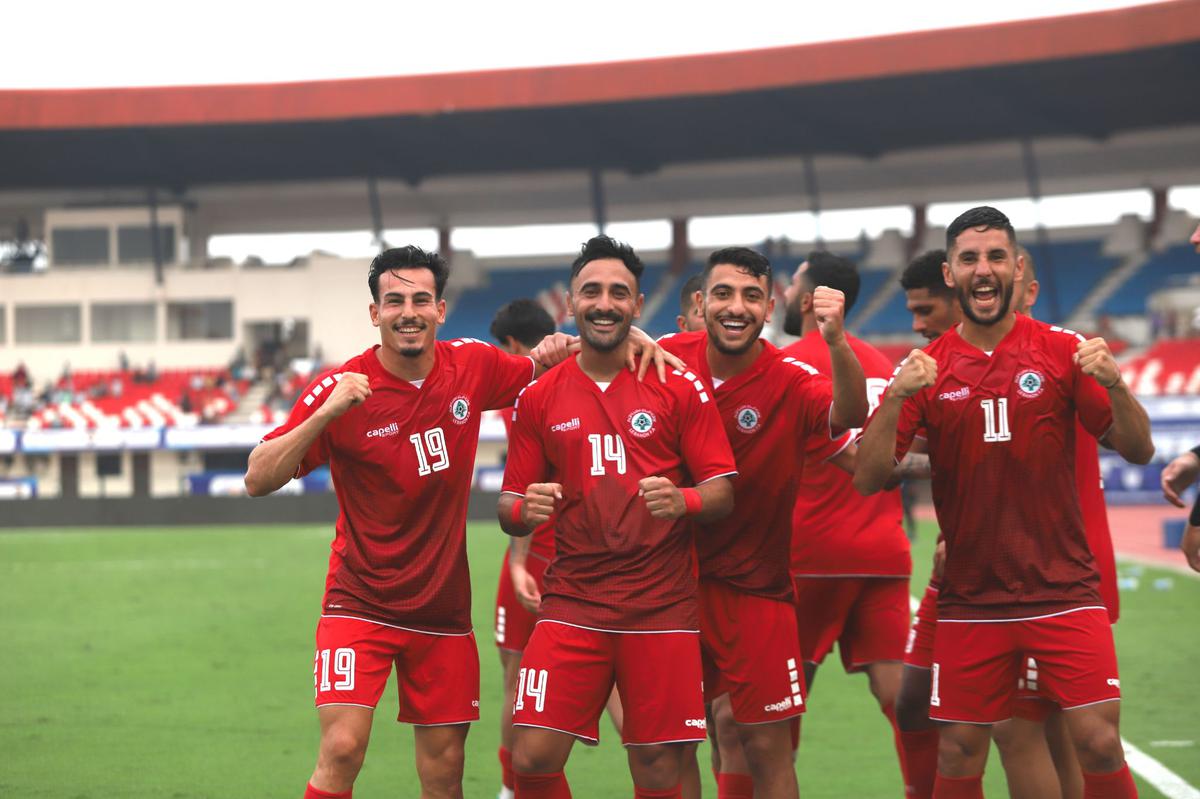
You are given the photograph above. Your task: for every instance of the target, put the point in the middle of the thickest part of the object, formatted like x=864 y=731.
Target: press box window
x=123 y=321
x=48 y=324
x=199 y=320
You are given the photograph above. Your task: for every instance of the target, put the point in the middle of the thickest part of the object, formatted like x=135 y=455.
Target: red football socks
x=316 y=793
x=735 y=786
x=1118 y=785
x=958 y=787
x=920 y=762
x=664 y=793
x=542 y=786
x=506 y=769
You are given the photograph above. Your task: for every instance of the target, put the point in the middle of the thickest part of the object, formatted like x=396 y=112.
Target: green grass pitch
x=177 y=664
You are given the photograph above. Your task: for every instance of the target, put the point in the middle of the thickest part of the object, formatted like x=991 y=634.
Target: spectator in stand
x=122 y=362
x=20 y=376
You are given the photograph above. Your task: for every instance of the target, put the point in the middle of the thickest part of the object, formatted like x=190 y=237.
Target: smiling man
x=781 y=416
x=998 y=398
x=617 y=465
x=398 y=426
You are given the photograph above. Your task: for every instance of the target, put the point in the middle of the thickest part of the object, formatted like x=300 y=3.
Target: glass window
x=3 y=324
x=135 y=245
x=123 y=321
x=79 y=245
x=200 y=320
x=48 y=324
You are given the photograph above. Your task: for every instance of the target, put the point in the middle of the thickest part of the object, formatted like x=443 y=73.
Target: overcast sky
x=57 y=44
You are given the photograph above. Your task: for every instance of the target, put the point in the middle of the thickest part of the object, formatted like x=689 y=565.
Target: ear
x=681 y=323
x=947 y=275
x=374 y=310
x=441 y=309
x=1019 y=272
x=637 y=311
x=770 y=307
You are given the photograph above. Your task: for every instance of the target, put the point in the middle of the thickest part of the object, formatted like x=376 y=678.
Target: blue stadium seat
x=1157 y=273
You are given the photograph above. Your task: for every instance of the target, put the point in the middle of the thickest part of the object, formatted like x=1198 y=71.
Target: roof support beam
x=599 y=206
x=1047 y=276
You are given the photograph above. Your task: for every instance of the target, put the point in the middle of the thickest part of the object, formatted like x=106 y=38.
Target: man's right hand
x=353 y=389
x=918 y=371
x=538 y=505
x=1178 y=475
x=525 y=587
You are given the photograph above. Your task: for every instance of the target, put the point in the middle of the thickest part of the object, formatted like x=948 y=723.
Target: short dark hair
x=408 y=257
x=743 y=258
x=525 y=320
x=834 y=271
x=925 y=272
x=688 y=292
x=983 y=216
x=602 y=246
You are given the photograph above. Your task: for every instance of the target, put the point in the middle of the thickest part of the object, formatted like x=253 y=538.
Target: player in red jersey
x=399 y=427
x=518 y=326
x=604 y=457
x=691 y=309
x=998 y=398
x=774 y=408
x=850 y=558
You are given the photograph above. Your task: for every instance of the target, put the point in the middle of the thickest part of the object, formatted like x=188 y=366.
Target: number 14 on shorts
x=531 y=683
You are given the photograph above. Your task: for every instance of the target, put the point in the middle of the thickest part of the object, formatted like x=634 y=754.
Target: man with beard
x=998 y=398
x=781 y=416
x=399 y=427
x=850 y=558
x=617 y=464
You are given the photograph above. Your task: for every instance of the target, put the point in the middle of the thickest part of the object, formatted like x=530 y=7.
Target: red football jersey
x=402 y=464
x=541 y=542
x=615 y=566
x=1001 y=433
x=773 y=413
x=837 y=532
x=1090 y=486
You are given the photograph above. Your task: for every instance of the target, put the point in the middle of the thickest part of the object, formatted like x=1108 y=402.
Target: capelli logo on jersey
x=748 y=418
x=564 y=427
x=460 y=409
x=383 y=432
x=956 y=395
x=641 y=423
x=1030 y=383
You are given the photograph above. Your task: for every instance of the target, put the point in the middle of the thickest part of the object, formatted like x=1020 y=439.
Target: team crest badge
x=1030 y=383
x=460 y=409
x=748 y=418
x=641 y=423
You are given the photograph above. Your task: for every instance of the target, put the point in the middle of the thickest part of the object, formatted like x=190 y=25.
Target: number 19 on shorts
x=341 y=661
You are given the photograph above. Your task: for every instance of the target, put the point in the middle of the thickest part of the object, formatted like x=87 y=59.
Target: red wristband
x=516 y=511
x=692 y=502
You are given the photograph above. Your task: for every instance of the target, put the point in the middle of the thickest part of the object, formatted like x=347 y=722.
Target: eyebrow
x=401 y=295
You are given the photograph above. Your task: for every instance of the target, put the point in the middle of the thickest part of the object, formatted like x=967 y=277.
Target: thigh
x=752 y=642
x=973 y=678
x=1075 y=656
x=437 y=677
x=660 y=681
x=565 y=678
x=822 y=606
x=878 y=624
x=353 y=660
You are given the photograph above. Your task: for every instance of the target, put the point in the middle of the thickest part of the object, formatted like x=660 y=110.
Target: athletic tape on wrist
x=692 y=502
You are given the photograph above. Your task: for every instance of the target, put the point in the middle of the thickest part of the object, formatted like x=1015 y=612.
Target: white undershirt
x=717 y=383
x=418 y=383
x=603 y=386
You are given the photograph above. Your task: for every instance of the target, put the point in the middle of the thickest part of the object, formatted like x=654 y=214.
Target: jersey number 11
x=995 y=420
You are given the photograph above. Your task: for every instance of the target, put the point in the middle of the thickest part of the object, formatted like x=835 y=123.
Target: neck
x=809 y=324
x=602 y=367
x=986 y=337
x=404 y=367
x=725 y=367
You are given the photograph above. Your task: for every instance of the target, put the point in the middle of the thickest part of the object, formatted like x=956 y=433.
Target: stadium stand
x=1170 y=367
x=1159 y=272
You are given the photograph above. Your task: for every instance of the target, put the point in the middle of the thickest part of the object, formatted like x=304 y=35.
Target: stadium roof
x=1085 y=78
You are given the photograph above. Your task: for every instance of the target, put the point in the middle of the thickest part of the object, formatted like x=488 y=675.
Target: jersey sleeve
x=909 y=426
x=502 y=376
x=812 y=395
x=526 y=461
x=313 y=398
x=705 y=449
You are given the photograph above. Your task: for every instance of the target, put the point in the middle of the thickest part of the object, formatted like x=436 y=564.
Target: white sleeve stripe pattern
x=311 y=397
x=1068 y=331
x=801 y=364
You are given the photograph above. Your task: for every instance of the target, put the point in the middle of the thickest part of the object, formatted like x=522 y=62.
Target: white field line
x=1165 y=781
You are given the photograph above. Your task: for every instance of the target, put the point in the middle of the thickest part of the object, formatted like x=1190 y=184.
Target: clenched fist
x=829 y=305
x=353 y=389
x=538 y=505
x=918 y=371
x=663 y=498
x=1095 y=359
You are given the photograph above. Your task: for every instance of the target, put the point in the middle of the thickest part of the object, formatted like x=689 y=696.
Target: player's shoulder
x=683 y=384
x=683 y=343
x=466 y=349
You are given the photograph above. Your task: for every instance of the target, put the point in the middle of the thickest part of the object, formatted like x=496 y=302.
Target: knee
x=1099 y=749
x=957 y=752
x=527 y=759
x=342 y=750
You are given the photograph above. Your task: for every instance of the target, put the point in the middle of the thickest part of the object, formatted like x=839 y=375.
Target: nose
x=918 y=324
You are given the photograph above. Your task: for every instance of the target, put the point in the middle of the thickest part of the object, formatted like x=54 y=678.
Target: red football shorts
x=750 y=652
x=437 y=675
x=918 y=651
x=514 y=624
x=866 y=616
x=976 y=664
x=1031 y=704
x=568 y=672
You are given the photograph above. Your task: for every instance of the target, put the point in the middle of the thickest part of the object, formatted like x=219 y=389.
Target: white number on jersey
x=995 y=420
x=606 y=448
x=531 y=683
x=433 y=442
x=343 y=667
